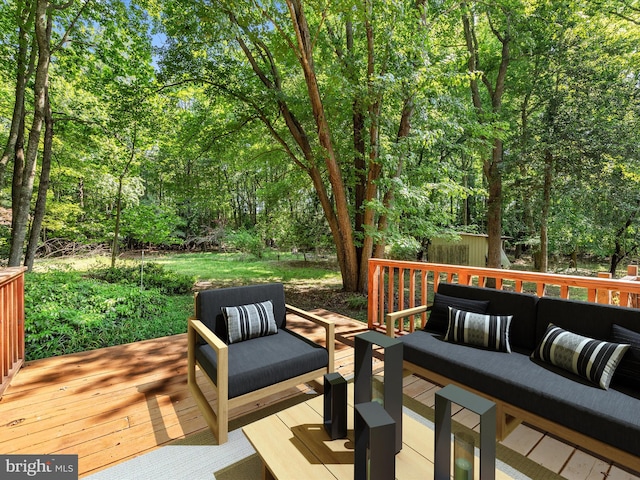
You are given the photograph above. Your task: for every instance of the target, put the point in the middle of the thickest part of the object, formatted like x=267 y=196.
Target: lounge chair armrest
x=207 y=335
x=390 y=318
x=328 y=325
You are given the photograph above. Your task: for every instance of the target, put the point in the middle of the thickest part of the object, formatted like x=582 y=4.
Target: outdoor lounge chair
x=244 y=355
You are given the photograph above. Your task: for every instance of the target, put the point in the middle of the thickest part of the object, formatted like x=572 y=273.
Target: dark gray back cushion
x=209 y=304
x=628 y=372
x=439 y=316
x=585 y=318
x=521 y=305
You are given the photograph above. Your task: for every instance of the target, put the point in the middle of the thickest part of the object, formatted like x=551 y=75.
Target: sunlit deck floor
x=113 y=404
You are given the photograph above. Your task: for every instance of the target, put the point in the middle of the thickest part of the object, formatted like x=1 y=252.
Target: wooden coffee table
x=294 y=444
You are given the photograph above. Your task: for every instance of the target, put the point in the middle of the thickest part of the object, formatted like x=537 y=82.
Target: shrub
x=147 y=275
x=404 y=248
x=247 y=242
x=66 y=313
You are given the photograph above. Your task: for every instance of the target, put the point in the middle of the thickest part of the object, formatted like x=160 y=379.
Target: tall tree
x=290 y=89
x=500 y=22
x=43 y=24
x=25 y=62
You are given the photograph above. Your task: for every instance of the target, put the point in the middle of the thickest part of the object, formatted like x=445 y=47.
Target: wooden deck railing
x=11 y=324
x=397 y=285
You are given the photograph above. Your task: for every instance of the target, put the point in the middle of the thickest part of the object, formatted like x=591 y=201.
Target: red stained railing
x=397 y=285
x=11 y=324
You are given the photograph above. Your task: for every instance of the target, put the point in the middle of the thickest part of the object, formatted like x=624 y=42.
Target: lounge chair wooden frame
x=218 y=420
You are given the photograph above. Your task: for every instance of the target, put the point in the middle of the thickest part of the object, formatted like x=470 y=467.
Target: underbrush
x=70 y=311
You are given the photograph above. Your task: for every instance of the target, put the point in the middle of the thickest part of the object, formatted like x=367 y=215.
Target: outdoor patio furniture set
x=547 y=361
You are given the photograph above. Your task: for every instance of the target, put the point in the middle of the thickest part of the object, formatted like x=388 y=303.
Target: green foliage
x=151 y=224
x=66 y=313
x=146 y=276
x=357 y=302
x=197 y=157
x=246 y=241
x=5 y=236
x=404 y=247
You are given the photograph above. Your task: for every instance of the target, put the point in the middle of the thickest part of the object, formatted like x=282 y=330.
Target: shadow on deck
x=117 y=403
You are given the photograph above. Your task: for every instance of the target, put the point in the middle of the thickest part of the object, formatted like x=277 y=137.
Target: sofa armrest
x=328 y=325
x=390 y=318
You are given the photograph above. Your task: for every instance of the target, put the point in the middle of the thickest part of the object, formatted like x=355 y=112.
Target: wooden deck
x=116 y=403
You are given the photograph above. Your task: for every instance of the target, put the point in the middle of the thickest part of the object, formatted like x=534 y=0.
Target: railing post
x=602 y=295
x=372 y=300
x=630 y=299
x=11 y=324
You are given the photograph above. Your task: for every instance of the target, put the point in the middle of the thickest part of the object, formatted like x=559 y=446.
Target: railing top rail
x=9 y=274
x=537 y=277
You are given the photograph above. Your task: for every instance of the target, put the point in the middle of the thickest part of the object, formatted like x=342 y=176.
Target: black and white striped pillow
x=489 y=331
x=592 y=359
x=250 y=321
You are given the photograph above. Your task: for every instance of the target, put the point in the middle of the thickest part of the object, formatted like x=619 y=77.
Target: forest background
x=361 y=127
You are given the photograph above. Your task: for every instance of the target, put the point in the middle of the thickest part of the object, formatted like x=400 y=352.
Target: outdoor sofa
x=240 y=341
x=605 y=421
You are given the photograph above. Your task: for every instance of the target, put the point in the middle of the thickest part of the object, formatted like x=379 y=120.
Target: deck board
x=113 y=404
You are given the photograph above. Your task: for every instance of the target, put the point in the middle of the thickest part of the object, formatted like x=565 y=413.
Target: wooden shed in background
x=470 y=249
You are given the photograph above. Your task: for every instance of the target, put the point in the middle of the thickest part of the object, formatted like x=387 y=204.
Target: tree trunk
x=345 y=231
x=494 y=207
x=24 y=68
x=359 y=132
x=619 y=252
x=43 y=187
x=374 y=168
x=491 y=163
x=116 y=229
x=389 y=197
x=18 y=170
x=43 y=35
x=544 y=214
x=123 y=174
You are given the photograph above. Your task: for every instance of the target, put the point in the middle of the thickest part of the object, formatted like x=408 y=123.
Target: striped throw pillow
x=250 y=321
x=489 y=331
x=594 y=360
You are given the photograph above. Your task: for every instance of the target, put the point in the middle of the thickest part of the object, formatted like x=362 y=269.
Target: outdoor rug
x=197 y=457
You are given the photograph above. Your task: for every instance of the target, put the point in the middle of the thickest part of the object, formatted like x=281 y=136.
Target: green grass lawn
x=235 y=268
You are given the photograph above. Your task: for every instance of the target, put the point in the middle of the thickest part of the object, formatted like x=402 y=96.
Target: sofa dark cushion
x=439 y=316
x=522 y=306
x=209 y=304
x=264 y=361
x=539 y=388
x=628 y=372
x=588 y=319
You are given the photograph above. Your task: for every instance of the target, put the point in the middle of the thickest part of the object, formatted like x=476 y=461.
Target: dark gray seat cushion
x=264 y=361
x=608 y=415
x=521 y=305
